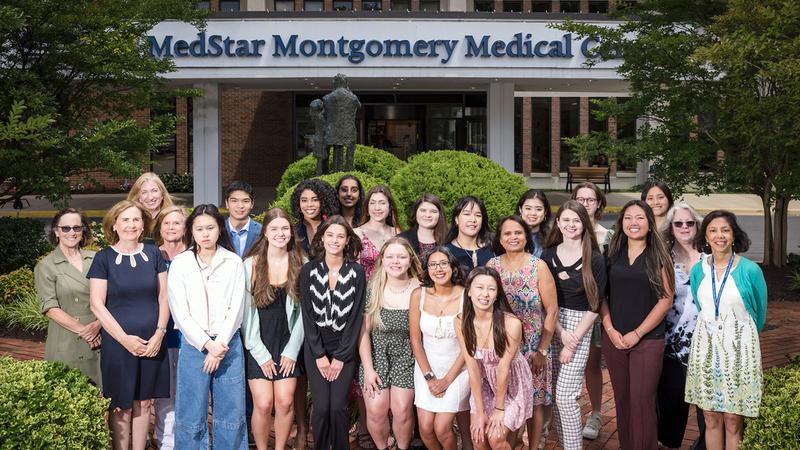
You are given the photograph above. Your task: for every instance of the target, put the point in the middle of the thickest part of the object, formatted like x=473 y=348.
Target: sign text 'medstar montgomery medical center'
x=300 y=43
x=521 y=45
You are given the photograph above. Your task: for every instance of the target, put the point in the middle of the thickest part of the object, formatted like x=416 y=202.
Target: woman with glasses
x=73 y=335
x=680 y=231
x=593 y=200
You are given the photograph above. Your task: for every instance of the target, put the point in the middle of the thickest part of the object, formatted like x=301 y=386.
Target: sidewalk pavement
x=95 y=205
x=778 y=342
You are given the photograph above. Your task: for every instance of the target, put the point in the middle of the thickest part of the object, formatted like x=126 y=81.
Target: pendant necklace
x=472 y=253
x=478 y=352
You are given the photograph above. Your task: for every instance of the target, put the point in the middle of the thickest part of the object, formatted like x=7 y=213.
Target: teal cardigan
x=251 y=328
x=752 y=286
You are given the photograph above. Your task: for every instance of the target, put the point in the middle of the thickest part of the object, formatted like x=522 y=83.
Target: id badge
x=714 y=327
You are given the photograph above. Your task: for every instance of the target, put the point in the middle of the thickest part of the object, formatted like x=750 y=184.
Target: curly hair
x=328 y=198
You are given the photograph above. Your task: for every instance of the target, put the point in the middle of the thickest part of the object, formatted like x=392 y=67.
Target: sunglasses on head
x=67 y=229
x=680 y=224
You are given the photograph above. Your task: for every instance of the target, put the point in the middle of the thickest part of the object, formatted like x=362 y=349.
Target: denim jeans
x=226 y=384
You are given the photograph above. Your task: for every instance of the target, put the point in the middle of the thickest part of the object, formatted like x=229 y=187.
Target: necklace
x=472 y=253
x=478 y=352
x=440 y=331
x=408 y=285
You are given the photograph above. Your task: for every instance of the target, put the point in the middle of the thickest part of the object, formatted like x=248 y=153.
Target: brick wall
x=257 y=128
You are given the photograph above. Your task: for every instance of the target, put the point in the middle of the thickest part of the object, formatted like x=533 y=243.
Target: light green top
x=251 y=326
x=60 y=285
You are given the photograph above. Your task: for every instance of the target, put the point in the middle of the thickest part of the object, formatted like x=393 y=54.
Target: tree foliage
x=718 y=86
x=72 y=75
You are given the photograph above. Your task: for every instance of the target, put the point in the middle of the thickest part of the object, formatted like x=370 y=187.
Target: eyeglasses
x=688 y=224
x=66 y=229
x=439 y=265
x=590 y=201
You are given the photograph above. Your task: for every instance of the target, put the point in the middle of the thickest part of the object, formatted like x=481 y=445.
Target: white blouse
x=207 y=301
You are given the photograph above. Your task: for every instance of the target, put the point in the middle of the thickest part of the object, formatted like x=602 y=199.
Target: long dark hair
x=263 y=292
x=661 y=185
x=208 y=209
x=498 y=248
x=532 y=194
x=456 y=278
x=440 y=231
x=328 y=198
x=500 y=309
x=357 y=208
x=588 y=245
x=658 y=261
x=483 y=233
x=351 y=250
x=392 y=218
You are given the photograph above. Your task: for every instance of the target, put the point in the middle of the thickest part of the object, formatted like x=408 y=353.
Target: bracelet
x=636 y=331
x=503 y=410
x=162 y=329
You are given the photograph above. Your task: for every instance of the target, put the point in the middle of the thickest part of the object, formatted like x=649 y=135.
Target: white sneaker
x=593 y=424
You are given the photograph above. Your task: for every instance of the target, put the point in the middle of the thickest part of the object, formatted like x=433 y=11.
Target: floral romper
x=522 y=290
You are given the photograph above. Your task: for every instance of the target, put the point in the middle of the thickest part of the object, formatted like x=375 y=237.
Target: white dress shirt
x=240 y=235
x=206 y=300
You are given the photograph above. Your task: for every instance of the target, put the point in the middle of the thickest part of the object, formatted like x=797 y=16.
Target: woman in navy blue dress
x=127 y=293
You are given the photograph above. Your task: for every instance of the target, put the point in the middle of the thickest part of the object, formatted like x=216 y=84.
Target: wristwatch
x=544 y=351
x=429 y=376
x=162 y=329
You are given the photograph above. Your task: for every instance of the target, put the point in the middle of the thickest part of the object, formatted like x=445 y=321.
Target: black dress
x=275 y=334
x=132 y=299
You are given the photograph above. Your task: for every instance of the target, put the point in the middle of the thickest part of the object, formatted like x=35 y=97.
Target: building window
x=600 y=7
x=284 y=5
x=512 y=6
x=484 y=5
x=342 y=5
x=429 y=5
x=570 y=127
x=229 y=5
x=313 y=5
x=372 y=5
x=540 y=153
x=517 y=134
x=401 y=5
x=570 y=6
x=203 y=5
x=541 y=6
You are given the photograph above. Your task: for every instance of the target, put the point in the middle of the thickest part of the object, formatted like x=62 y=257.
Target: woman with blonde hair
x=128 y=295
x=387 y=361
x=151 y=192
x=272 y=327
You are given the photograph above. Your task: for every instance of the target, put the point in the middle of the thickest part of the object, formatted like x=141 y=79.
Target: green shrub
x=22 y=242
x=452 y=174
x=14 y=285
x=374 y=161
x=284 y=201
x=24 y=313
x=794 y=280
x=178 y=182
x=778 y=423
x=98 y=238
x=45 y=404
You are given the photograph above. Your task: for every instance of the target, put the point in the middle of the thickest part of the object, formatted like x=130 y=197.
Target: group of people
x=446 y=322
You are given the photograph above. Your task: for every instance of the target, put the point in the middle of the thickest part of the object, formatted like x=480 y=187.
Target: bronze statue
x=340 y=109
x=317 y=113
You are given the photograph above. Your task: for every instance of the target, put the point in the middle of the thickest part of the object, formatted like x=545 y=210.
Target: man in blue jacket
x=243 y=231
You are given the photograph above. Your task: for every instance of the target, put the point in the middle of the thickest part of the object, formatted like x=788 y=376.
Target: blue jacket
x=253 y=233
x=750 y=281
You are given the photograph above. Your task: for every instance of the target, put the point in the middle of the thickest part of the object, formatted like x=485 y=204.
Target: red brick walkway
x=779 y=339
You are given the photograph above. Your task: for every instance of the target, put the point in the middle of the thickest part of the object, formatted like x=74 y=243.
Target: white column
x=500 y=148
x=206 y=158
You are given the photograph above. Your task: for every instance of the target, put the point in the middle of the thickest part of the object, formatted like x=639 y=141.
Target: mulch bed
x=778 y=284
x=18 y=333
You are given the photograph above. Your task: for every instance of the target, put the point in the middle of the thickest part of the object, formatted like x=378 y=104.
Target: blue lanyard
x=718 y=295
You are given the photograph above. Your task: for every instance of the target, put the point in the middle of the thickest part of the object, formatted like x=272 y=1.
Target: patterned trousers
x=568 y=381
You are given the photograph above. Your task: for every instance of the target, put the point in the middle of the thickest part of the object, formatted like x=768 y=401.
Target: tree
x=72 y=75
x=718 y=84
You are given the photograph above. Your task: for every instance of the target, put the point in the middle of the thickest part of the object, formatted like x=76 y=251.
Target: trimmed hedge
x=367 y=180
x=452 y=174
x=14 y=285
x=22 y=242
x=45 y=404
x=778 y=424
x=374 y=161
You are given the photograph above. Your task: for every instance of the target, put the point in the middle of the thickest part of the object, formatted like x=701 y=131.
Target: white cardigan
x=197 y=315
